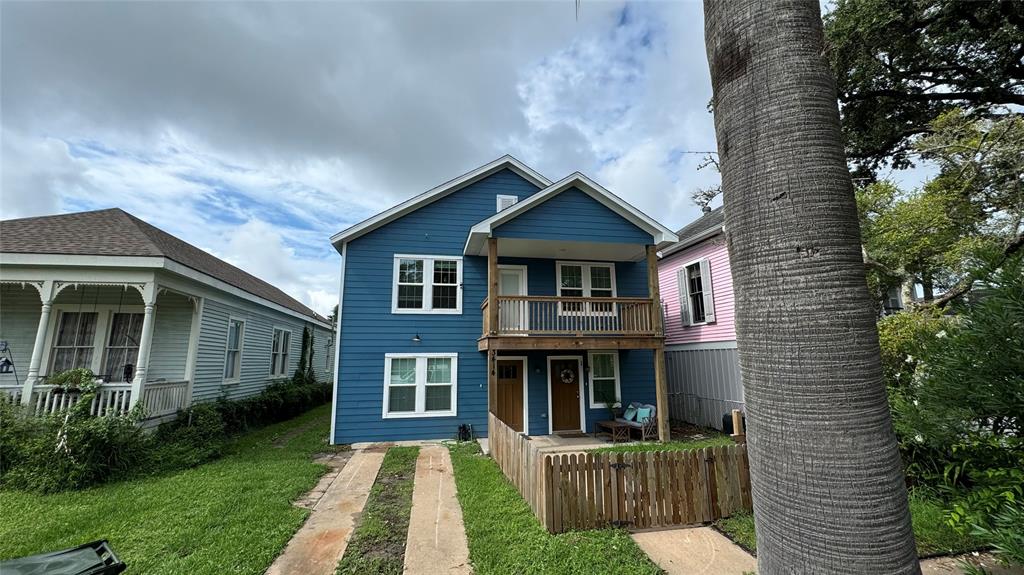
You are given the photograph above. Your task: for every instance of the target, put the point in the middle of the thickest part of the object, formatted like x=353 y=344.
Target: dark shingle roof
x=115 y=232
x=713 y=219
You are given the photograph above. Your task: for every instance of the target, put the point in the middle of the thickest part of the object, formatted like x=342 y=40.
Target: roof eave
x=693 y=240
x=438 y=192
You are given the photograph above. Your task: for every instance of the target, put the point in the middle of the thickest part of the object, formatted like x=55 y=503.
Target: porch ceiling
x=562 y=250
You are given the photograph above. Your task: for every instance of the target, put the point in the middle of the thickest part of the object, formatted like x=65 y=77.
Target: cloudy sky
x=255 y=131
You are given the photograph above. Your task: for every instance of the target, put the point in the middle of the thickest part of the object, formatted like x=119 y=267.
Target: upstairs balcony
x=572 y=316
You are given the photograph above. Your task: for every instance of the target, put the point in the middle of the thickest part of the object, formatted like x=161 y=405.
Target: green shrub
x=72 y=449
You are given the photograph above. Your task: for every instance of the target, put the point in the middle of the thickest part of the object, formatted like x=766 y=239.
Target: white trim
x=590 y=377
x=704 y=345
x=526 y=386
x=585 y=288
x=583 y=415
x=693 y=240
x=288 y=352
x=500 y=197
x=337 y=344
x=241 y=347
x=438 y=192
x=193 y=345
x=106 y=268
x=421 y=386
x=428 y=285
x=662 y=236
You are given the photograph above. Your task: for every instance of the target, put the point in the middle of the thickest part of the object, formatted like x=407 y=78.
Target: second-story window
x=427 y=284
x=584 y=279
x=696 y=301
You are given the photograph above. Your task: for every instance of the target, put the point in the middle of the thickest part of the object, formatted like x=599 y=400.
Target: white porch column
x=145 y=341
x=46 y=295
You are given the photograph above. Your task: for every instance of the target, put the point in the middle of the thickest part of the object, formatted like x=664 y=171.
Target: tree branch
x=965 y=285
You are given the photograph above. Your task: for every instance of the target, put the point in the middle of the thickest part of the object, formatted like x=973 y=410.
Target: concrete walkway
x=437 y=539
x=319 y=544
x=695 y=550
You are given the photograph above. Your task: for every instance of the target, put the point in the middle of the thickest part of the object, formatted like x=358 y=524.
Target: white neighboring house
x=159 y=320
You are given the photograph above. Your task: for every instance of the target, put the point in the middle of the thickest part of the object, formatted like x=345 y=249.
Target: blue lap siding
x=573 y=216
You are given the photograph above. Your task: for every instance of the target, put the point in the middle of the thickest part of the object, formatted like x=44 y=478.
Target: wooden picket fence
x=637 y=490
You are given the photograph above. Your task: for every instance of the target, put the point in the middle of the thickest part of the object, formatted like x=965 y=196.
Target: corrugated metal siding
x=573 y=216
x=369 y=329
x=703 y=384
x=169 y=351
x=721 y=281
x=19 y=319
x=257 y=339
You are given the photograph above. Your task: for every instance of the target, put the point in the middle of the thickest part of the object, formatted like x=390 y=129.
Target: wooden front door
x=565 y=394
x=510 y=392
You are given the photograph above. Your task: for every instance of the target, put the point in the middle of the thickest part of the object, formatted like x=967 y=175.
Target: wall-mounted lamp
x=416 y=338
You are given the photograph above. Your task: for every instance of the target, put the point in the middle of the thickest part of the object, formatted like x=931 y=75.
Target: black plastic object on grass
x=96 y=558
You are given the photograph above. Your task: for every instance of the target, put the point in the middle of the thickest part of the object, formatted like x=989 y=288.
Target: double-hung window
x=122 y=350
x=427 y=284
x=279 y=352
x=696 y=300
x=604 y=378
x=582 y=279
x=73 y=346
x=420 y=385
x=233 y=354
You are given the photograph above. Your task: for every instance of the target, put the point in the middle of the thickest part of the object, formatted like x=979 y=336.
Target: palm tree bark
x=828 y=485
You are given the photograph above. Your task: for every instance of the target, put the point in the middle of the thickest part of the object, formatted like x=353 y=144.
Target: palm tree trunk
x=829 y=492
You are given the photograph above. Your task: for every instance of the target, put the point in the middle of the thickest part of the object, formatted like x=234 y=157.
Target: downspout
x=337 y=342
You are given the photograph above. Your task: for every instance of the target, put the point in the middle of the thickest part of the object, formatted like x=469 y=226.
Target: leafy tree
x=939 y=235
x=825 y=471
x=899 y=64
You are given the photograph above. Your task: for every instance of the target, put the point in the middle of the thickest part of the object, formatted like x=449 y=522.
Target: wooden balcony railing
x=572 y=316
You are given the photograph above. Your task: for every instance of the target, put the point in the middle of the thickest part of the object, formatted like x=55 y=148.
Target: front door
x=512 y=315
x=564 y=377
x=510 y=392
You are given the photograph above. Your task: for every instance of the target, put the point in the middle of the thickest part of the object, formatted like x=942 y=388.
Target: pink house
x=700 y=337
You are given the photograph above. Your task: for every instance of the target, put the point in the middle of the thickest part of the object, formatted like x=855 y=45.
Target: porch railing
x=574 y=316
x=160 y=398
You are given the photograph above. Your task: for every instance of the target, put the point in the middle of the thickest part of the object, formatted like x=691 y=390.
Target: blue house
x=498 y=292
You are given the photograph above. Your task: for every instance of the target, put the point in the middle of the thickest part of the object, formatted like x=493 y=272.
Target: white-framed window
x=504 y=202
x=120 y=357
x=279 y=349
x=233 y=353
x=604 y=378
x=427 y=284
x=74 y=342
x=696 y=299
x=420 y=384
x=585 y=279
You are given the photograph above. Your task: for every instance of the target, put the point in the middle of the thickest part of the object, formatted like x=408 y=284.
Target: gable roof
x=438 y=192
x=704 y=227
x=115 y=232
x=479 y=233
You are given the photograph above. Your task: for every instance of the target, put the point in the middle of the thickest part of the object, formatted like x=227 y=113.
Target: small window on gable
x=505 y=202
x=696 y=300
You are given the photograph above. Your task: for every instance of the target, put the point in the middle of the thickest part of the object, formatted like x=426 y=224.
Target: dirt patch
x=282 y=440
x=690 y=432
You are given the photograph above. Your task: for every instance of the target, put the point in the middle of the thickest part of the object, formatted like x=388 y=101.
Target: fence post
x=739 y=434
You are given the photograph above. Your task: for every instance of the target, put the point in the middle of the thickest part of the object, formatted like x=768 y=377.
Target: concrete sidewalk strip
x=695 y=550
x=437 y=539
x=319 y=544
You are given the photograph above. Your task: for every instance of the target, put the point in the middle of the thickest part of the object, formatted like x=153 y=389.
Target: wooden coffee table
x=616 y=430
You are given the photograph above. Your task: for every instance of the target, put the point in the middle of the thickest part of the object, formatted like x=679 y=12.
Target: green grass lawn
x=378 y=541
x=232 y=515
x=505 y=537
x=933 y=536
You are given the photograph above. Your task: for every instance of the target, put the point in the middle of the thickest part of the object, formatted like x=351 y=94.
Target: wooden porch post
x=145 y=343
x=660 y=383
x=46 y=295
x=492 y=382
x=492 y=285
